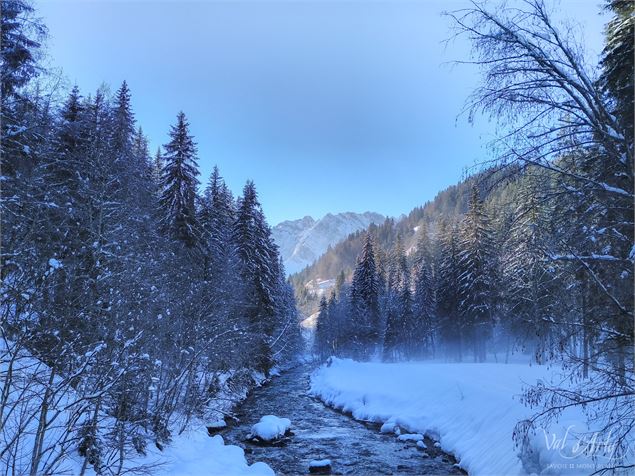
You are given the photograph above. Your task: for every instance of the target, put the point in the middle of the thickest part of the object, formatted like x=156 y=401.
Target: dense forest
x=534 y=254
x=129 y=299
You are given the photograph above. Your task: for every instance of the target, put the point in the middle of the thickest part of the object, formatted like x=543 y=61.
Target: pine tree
x=617 y=64
x=423 y=299
x=20 y=41
x=258 y=258
x=364 y=297
x=450 y=328
x=157 y=169
x=322 y=330
x=476 y=283
x=123 y=124
x=179 y=183
x=399 y=337
x=528 y=279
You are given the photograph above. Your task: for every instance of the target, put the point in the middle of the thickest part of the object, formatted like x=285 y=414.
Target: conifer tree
x=322 y=330
x=258 y=258
x=364 y=297
x=476 y=261
x=450 y=326
x=528 y=279
x=423 y=298
x=178 y=183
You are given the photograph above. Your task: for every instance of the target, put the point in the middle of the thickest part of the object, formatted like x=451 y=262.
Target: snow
x=310 y=322
x=471 y=409
x=422 y=445
x=303 y=241
x=388 y=427
x=196 y=454
x=270 y=427
x=54 y=264
x=217 y=424
x=320 y=463
x=410 y=437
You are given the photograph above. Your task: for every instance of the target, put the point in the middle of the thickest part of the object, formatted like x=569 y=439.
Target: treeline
x=545 y=263
x=138 y=296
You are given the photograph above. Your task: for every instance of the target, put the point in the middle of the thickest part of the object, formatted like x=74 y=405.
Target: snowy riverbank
x=471 y=409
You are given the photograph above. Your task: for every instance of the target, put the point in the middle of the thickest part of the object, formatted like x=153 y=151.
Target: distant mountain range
x=303 y=241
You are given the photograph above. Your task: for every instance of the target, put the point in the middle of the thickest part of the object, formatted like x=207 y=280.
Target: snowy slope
x=471 y=409
x=302 y=241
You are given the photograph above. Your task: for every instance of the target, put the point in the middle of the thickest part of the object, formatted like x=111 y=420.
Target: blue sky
x=328 y=106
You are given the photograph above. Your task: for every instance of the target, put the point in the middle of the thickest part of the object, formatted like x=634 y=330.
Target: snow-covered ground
x=471 y=409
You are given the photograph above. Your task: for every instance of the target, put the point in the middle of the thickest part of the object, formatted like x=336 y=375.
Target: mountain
x=303 y=241
x=316 y=280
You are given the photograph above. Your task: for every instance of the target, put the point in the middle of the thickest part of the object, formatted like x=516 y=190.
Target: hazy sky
x=327 y=105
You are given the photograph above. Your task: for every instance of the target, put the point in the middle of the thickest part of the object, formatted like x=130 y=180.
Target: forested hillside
x=129 y=300
x=450 y=204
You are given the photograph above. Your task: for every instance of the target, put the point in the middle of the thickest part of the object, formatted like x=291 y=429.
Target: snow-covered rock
x=216 y=426
x=388 y=427
x=410 y=437
x=270 y=428
x=320 y=466
x=303 y=241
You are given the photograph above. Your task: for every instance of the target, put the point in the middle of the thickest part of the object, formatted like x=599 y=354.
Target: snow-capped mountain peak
x=303 y=241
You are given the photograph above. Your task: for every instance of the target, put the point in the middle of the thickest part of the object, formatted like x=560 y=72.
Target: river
x=320 y=432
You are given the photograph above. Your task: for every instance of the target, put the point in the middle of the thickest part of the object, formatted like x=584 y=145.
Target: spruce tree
x=322 y=330
x=423 y=299
x=476 y=283
x=450 y=326
x=178 y=183
x=364 y=297
x=529 y=281
x=258 y=258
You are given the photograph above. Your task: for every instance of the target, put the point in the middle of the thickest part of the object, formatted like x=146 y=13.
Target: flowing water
x=320 y=432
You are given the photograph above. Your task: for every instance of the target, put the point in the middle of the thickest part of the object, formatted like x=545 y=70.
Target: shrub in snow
x=270 y=428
